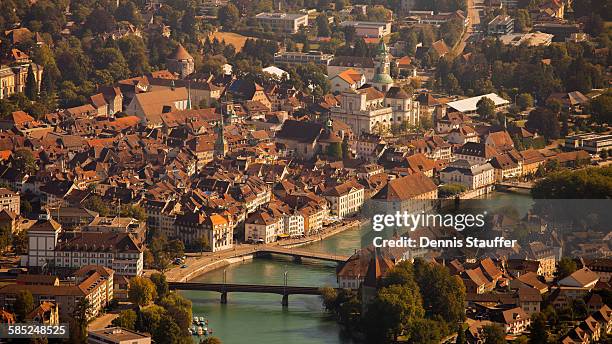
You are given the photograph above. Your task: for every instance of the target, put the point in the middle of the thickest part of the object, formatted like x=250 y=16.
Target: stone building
x=181 y=62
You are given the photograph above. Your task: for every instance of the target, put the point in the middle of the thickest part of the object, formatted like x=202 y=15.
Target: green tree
x=443 y=295
x=73 y=63
x=110 y=61
x=100 y=21
x=494 y=334
x=229 y=17
x=203 y=243
x=591 y=183
x=401 y=274
x=554 y=105
x=523 y=20
x=485 y=108
x=545 y=122
x=20 y=242
x=329 y=296
x=148 y=318
x=538 y=333
x=323 y=26
x=452 y=189
x=6 y=232
x=24 y=161
x=161 y=284
x=334 y=150
x=96 y=204
x=392 y=313
x=23 y=305
x=126 y=319
x=346 y=148
x=128 y=11
x=189 y=23
x=175 y=248
x=161 y=261
x=427 y=331
x=133 y=211
x=378 y=14
x=451 y=31
x=567 y=266
x=168 y=332
x=361 y=48
x=349 y=33
x=524 y=101
x=31 y=88
x=179 y=309
x=82 y=315
x=142 y=291
x=601 y=108
x=134 y=51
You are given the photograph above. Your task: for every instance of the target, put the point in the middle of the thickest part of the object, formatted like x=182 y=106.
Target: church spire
x=189 y=95
x=221 y=142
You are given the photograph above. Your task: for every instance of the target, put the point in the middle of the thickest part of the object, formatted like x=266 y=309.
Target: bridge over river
x=514 y=185
x=224 y=288
x=299 y=254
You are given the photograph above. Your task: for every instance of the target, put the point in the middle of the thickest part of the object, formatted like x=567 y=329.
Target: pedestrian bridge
x=225 y=288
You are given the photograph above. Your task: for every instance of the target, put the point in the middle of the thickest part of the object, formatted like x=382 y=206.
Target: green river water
x=260 y=318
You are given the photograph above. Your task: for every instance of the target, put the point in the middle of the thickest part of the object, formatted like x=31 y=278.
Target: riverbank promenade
x=198 y=264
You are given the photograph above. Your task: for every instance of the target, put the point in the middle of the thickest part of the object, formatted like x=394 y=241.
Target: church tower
x=382 y=79
x=180 y=62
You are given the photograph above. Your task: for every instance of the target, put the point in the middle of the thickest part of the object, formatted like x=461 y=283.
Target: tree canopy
x=142 y=291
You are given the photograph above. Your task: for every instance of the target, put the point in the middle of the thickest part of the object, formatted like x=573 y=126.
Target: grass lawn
x=234 y=39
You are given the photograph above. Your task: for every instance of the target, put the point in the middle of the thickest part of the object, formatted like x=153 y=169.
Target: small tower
x=221 y=142
x=181 y=62
x=382 y=79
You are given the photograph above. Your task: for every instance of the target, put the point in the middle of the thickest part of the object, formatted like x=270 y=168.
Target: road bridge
x=224 y=288
x=515 y=185
x=298 y=255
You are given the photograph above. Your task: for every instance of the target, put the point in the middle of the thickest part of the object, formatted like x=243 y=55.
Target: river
x=260 y=318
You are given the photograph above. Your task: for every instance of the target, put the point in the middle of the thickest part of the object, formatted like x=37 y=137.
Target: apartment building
x=49 y=245
x=413 y=193
x=501 y=25
x=218 y=229
x=591 y=142
x=9 y=200
x=345 y=199
x=283 y=22
x=369 y=29
x=13 y=79
x=121 y=252
x=117 y=335
x=94 y=283
x=472 y=175
x=263 y=227
x=292 y=57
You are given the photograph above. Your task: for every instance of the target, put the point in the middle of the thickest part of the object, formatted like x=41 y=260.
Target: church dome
x=381 y=78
